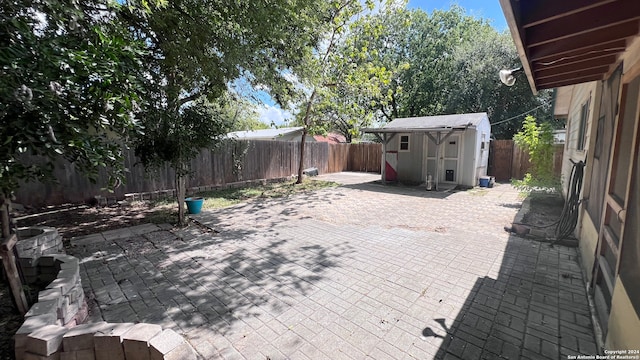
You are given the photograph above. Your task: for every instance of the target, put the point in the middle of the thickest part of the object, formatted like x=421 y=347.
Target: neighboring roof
x=331 y=138
x=438 y=122
x=569 y=42
x=264 y=133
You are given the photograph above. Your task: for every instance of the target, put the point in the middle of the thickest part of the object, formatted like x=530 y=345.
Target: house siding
x=623 y=325
x=409 y=162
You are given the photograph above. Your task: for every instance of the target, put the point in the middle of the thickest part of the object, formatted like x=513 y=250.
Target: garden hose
x=569 y=217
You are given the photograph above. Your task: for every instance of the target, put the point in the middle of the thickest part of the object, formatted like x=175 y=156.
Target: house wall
x=623 y=326
x=624 y=323
x=585 y=230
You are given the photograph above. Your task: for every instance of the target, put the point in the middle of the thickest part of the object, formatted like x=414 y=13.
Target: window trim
x=408 y=142
x=582 y=126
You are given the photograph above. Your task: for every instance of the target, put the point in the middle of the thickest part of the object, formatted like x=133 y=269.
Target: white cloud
x=273 y=115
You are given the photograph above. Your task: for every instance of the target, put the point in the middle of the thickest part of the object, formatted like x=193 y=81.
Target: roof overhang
x=413 y=130
x=568 y=42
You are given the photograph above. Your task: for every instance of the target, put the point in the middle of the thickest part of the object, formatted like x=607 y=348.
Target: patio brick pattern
x=358 y=271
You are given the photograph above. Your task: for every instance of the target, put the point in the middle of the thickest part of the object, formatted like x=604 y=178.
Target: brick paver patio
x=360 y=271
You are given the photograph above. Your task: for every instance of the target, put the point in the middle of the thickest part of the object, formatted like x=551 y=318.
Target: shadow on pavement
x=536 y=308
x=215 y=283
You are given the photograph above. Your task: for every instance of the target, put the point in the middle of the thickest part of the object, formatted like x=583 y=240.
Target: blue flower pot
x=194 y=205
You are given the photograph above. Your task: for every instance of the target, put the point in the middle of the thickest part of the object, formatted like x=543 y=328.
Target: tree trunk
x=180 y=194
x=5 y=202
x=301 y=165
x=305 y=128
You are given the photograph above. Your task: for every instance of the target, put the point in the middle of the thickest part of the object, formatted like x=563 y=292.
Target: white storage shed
x=453 y=149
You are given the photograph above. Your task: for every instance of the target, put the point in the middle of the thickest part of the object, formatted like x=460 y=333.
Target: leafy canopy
x=69 y=82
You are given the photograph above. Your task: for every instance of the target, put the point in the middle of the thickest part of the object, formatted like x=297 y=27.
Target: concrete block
x=67 y=313
x=75 y=293
x=83 y=312
x=63 y=284
x=78 y=355
x=32 y=356
x=30 y=271
x=42 y=308
x=53 y=270
x=19 y=353
x=81 y=336
x=46 y=340
x=49 y=235
x=70 y=263
x=168 y=345
x=29 y=260
x=47 y=260
x=64 y=258
x=50 y=295
x=68 y=355
x=108 y=342
x=30 y=325
x=71 y=275
x=136 y=340
x=110 y=355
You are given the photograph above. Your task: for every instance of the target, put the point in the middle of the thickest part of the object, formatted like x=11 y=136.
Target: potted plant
x=194 y=204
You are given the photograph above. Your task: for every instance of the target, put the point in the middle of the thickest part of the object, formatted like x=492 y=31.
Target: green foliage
x=178 y=140
x=196 y=48
x=69 y=82
x=442 y=63
x=537 y=140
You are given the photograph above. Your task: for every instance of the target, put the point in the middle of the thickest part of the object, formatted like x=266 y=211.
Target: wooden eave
x=569 y=42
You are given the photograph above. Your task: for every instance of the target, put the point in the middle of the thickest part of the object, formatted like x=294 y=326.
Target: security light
x=506 y=76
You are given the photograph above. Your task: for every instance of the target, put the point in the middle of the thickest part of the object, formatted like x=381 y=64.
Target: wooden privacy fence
x=355 y=157
x=233 y=162
x=508 y=161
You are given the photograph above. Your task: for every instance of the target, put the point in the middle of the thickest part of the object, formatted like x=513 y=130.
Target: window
x=403 y=145
x=582 y=129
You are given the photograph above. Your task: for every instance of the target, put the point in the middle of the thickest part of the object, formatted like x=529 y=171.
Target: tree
x=68 y=87
x=313 y=72
x=474 y=85
x=537 y=140
x=357 y=79
x=196 y=48
x=447 y=62
x=241 y=113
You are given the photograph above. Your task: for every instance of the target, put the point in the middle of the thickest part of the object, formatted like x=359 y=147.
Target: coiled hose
x=569 y=217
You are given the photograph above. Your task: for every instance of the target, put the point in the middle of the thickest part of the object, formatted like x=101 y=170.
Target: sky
x=487 y=9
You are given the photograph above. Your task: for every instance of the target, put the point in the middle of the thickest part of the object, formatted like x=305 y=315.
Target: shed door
x=449 y=159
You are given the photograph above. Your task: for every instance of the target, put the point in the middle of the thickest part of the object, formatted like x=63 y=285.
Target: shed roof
x=438 y=122
x=264 y=133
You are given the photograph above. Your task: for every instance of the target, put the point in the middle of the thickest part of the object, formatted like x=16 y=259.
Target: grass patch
x=216 y=199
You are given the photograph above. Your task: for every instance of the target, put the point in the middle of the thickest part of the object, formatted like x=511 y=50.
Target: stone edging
x=105 y=341
x=50 y=331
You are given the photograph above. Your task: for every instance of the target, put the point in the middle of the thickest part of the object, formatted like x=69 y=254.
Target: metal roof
x=564 y=42
x=432 y=123
x=264 y=133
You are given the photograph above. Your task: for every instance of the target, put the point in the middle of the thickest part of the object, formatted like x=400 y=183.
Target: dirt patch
x=77 y=220
x=544 y=213
x=10 y=321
